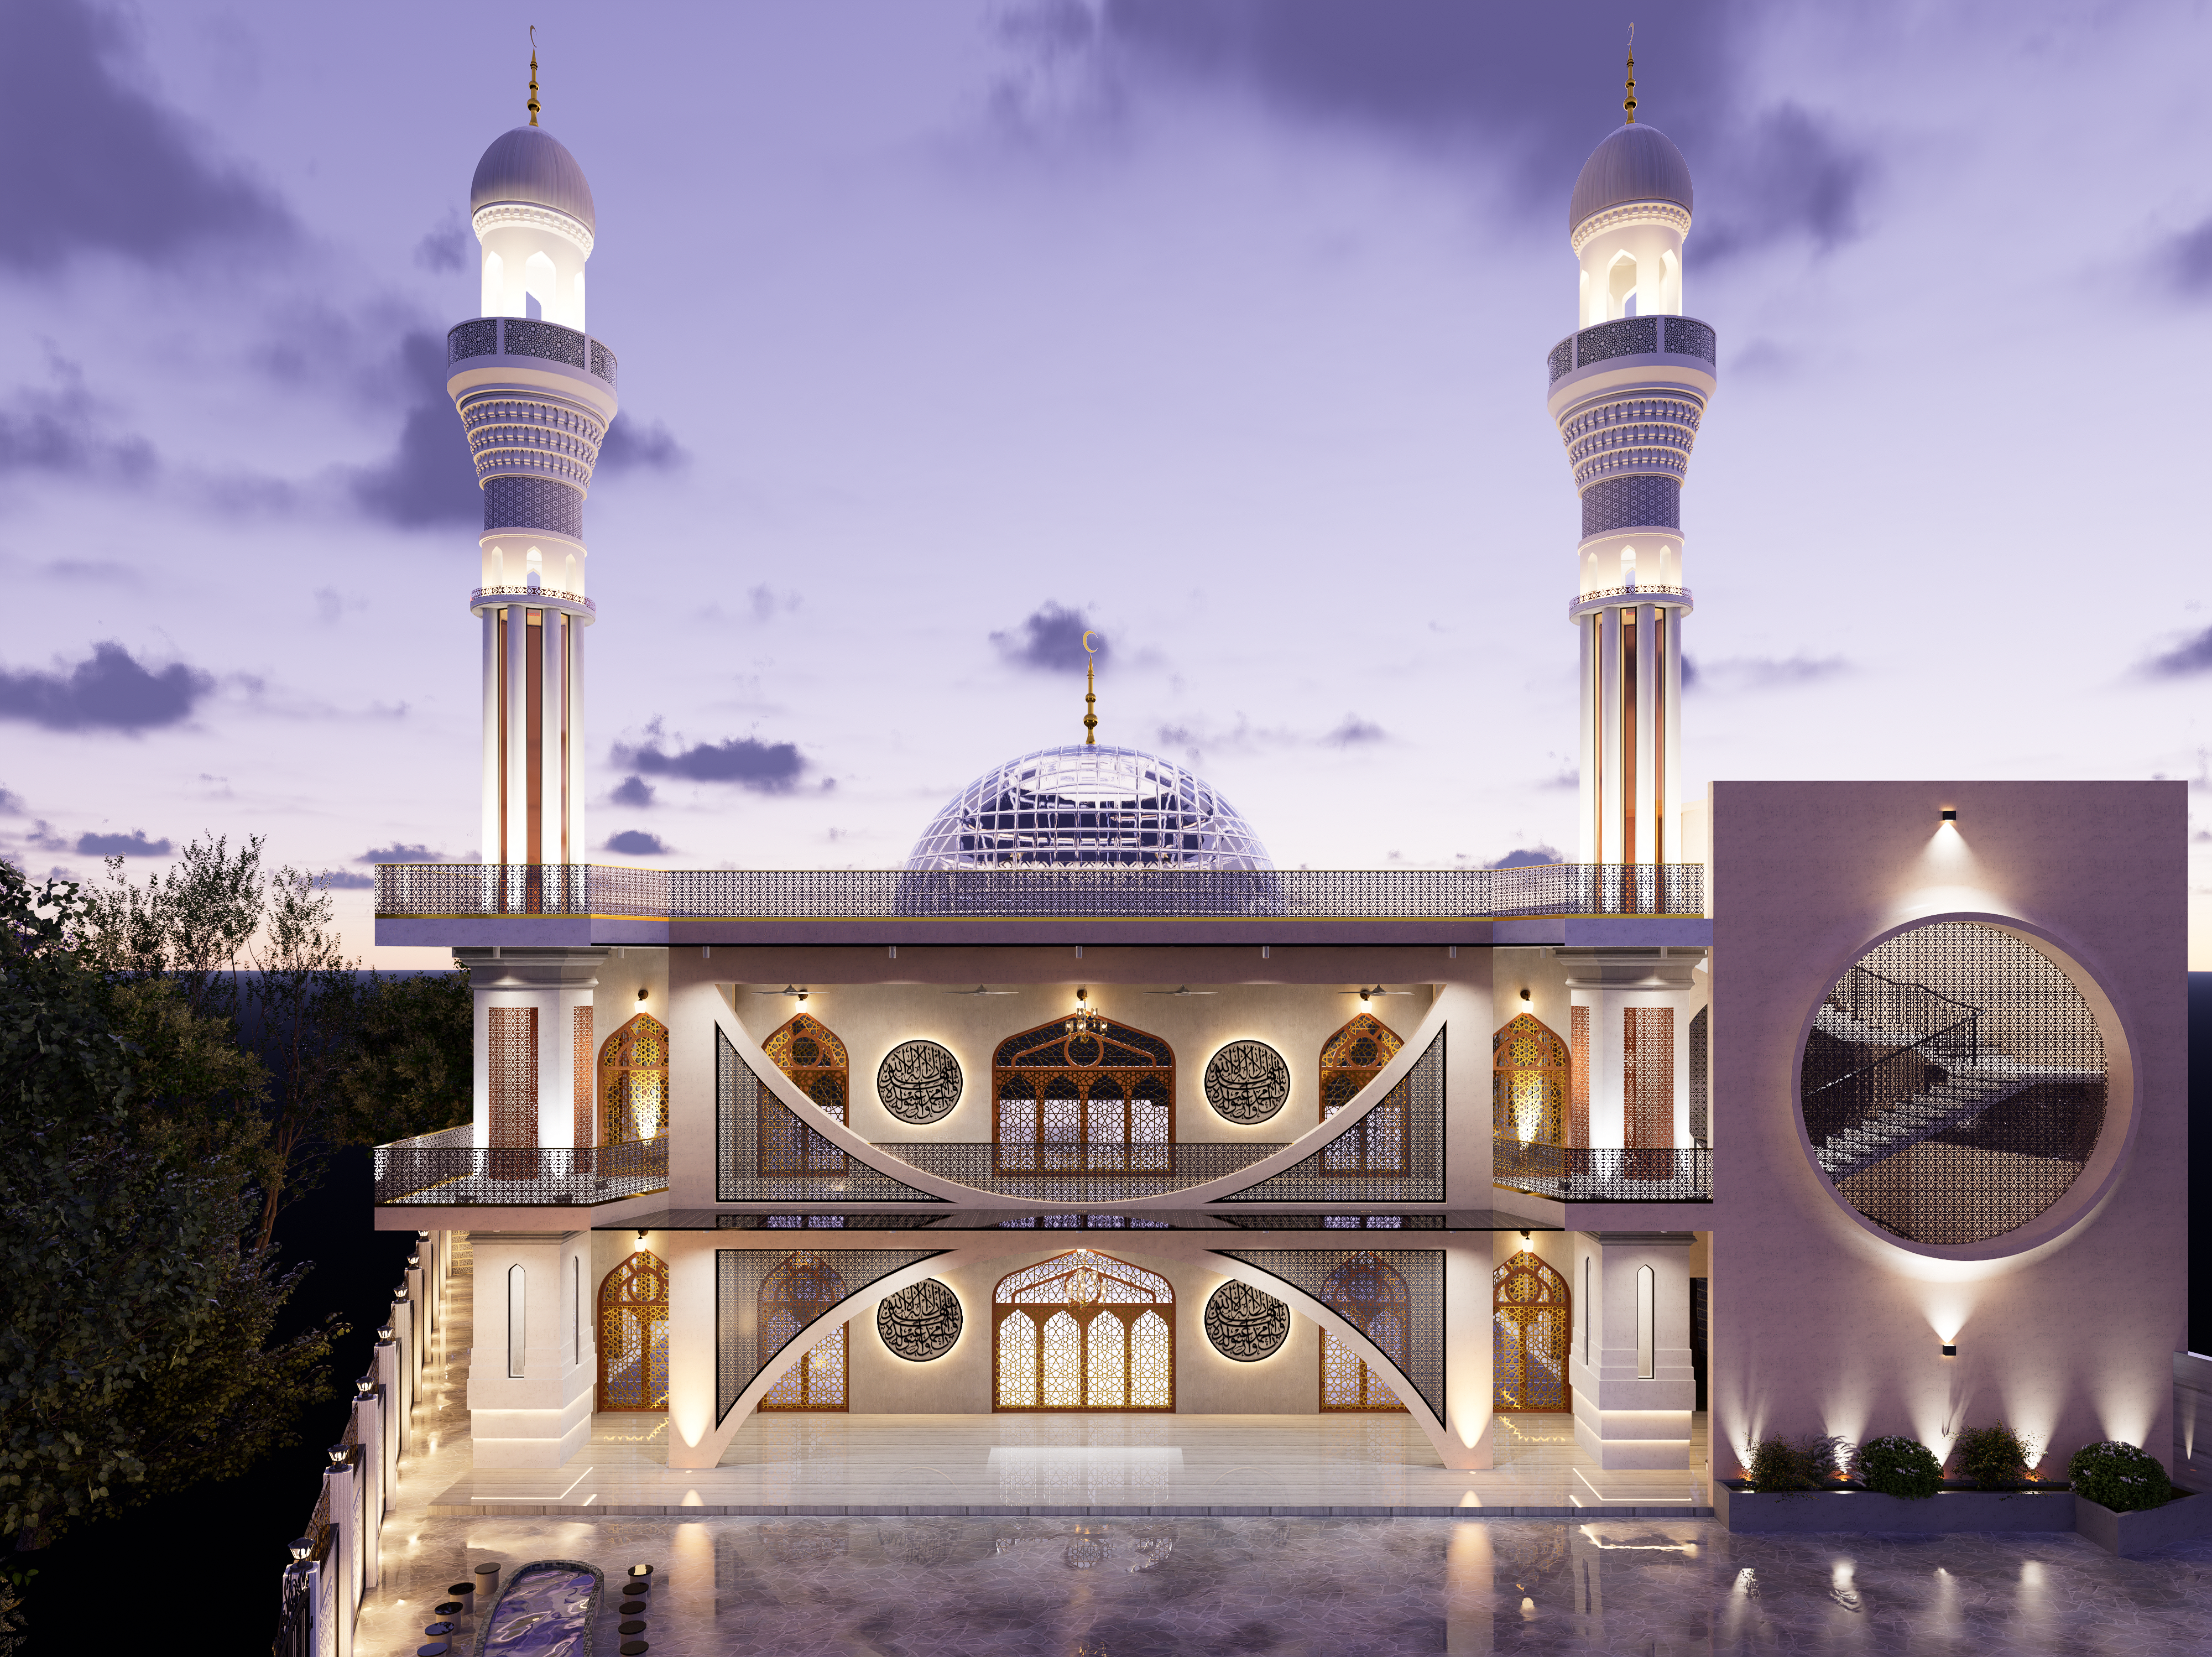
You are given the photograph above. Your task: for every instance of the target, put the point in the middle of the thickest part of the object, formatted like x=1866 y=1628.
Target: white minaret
x=1629 y=389
x=535 y=394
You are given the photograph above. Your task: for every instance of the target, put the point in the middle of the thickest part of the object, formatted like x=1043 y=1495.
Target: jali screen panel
x=1421 y=1272
x=746 y=1341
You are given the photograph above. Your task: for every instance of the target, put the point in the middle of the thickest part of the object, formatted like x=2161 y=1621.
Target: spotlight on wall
x=1950 y=814
x=1524 y=1233
x=1526 y=998
x=1950 y=1349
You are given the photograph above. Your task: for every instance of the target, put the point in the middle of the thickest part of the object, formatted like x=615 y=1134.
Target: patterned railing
x=1634 y=336
x=423 y=1172
x=1585 y=1173
x=516 y=336
x=1667 y=594
x=1079 y=1173
x=472 y=890
x=550 y=595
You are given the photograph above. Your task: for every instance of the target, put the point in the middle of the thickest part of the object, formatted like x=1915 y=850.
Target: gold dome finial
x=533 y=75
x=1089 y=694
x=1629 y=103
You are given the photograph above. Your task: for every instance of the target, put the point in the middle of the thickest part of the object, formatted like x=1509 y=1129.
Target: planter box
x=2133 y=1535
x=1864 y=1512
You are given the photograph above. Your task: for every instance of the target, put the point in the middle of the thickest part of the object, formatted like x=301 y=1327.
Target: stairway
x=1963 y=1092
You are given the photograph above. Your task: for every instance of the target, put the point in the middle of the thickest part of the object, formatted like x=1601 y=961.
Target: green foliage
x=1992 y=1457
x=2119 y=1476
x=1898 y=1466
x=1798 y=1463
x=411 y=1071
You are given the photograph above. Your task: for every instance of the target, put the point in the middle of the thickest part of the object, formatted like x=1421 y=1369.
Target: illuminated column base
x=534 y=1298
x=1635 y=1388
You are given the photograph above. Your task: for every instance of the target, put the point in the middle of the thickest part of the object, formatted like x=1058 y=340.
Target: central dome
x=1083 y=804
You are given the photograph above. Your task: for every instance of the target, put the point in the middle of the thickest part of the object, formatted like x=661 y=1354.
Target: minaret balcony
x=527 y=336
x=533 y=598
x=1626 y=598
x=1676 y=354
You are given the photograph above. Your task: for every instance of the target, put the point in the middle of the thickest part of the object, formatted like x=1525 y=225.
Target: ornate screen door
x=1529 y=1333
x=1082 y=1331
x=634 y=1335
x=1528 y=1083
x=634 y=1081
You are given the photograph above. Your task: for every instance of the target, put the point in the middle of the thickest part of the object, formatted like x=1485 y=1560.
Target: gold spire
x=533 y=75
x=1089 y=692
x=1629 y=103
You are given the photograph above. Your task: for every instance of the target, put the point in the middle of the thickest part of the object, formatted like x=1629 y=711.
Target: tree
x=307 y=995
x=410 y=1070
x=192 y=923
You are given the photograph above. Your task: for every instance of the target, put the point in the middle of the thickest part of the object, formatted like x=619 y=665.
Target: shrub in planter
x=1898 y=1466
x=1992 y=1456
x=1798 y=1463
x=2119 y=1476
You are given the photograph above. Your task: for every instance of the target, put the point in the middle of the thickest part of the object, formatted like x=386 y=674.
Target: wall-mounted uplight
x=640 y=1234
x=1950 y=1349
x=642 y=994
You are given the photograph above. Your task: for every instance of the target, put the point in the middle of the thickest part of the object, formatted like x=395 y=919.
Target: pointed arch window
x=634 y=1335
x=794 y=1295
x=1529 y=1082
x=809 y=1052
x=1531 y=1326
x=1369 y=1294
x=1083 y=1096
x=1082 y=1330
x=634 y=1081
x=1350 y=1059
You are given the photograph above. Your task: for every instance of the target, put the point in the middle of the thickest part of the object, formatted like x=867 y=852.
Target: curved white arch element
x=708 y=1451
x=1306 y=1144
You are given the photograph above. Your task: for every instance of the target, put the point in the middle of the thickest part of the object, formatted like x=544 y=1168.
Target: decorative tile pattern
x=533 y=503
x=1639 y=501
x=1687 y=337
x=476 y=339
x=1627 y=336
x=526 y=337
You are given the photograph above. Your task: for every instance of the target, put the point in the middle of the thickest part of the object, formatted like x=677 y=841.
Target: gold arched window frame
x=1082 y=1331
x=1083 y=1096
x=1532 y=1322
x=811 y=1055
x=1350 y=1059
x=1529 y=1065
x=634 y=1335
x=634 y=1082
x=1372 y=1296
x=793 y=1296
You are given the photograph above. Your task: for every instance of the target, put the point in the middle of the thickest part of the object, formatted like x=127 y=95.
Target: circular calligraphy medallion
x=1246 y=1081
x=1245 y=1324
x=918 y=1082
x=921 y=1323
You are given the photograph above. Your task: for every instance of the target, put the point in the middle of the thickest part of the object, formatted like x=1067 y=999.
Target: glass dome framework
x=1083 y=805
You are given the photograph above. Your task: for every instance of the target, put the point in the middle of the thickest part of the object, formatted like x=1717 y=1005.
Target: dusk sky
x=1219 y=326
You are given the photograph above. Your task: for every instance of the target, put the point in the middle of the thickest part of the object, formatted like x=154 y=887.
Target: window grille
x=1529 y=1082
x=1531 y=1326
x=1413 y=1133
x=1082 y=1096
x=634 y=1335
x=1086 y=1331
x=806 y=1050
x=634 y=1081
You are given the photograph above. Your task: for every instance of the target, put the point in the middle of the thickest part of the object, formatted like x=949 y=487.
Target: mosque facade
x=1806 y=1107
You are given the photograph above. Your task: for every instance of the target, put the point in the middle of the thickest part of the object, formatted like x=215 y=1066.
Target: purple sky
x=1216 y=325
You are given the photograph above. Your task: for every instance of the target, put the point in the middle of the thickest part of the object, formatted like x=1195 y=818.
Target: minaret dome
x=530 y=206
x=1626 y=221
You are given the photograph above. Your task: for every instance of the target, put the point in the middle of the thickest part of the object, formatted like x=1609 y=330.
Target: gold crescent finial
x=1629 y=103
x=533 y=75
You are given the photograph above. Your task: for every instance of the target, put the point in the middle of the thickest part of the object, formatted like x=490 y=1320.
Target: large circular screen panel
x=1954 y=1083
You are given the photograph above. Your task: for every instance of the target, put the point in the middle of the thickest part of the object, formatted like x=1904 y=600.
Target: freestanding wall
x=1823 y=1322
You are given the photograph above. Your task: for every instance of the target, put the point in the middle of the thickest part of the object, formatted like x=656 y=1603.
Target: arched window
x=806 y=1050
x=1350 y=1059
x=1367 y=1293
x=1083 y=1096
x=495 y=284
x=1528 y=1083
x=1620 y=287
x=1082 y=1331
x=539 y=298
x=634 y=1335
x=1529 y=1330
x=796 y=1293
x=518 y=1283
x=634 y=1081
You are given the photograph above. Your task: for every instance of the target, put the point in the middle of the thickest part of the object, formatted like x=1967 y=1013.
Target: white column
x=1589 y=750
x=518 y=734
x=1635 y=1388
x=579 y=848
x=494 y=851
x=542 y=1416
x=1469 y=1349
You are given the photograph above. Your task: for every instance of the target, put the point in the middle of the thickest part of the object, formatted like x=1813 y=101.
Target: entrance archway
x=795 y=1294
x=1082 y=1331
x=1529 y=1331
x=1371 y=1296
x=634 y=1335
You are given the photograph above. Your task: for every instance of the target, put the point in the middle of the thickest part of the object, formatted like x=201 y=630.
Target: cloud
x=430 y=478
x=631 y=446
x=1051 y=638
x=1356 y=732
x=2192 y=655
x=1526 y=855
x=340 y=880
x=397 y=852
x=634 y=791
x=133 y=845
x=107 y=691
x=11 y=803
x=1531 y=88
x=1738 y=674
x=637 y=843
x=764 y=767
x=2185 y=261
x=766 y=602
x=102 y=166
x=60 y=429
x=447 y=247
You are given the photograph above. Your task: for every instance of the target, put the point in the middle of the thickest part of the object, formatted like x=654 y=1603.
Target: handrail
x=1828 y=1112
x=552 y=593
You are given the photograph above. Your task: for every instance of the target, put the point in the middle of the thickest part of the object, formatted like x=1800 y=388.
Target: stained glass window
x=1530 y=1334
x=1350 y=1059
x=1082 y=1097
x=806 y=1050
x=1083 y=1331
x=634 y=1081
x=1370 y=1295
x=1529 y=1082
x=634 y=1335
x=794 y=1295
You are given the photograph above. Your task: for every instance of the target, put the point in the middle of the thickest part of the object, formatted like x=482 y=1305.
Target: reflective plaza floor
x=1070 y=1585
